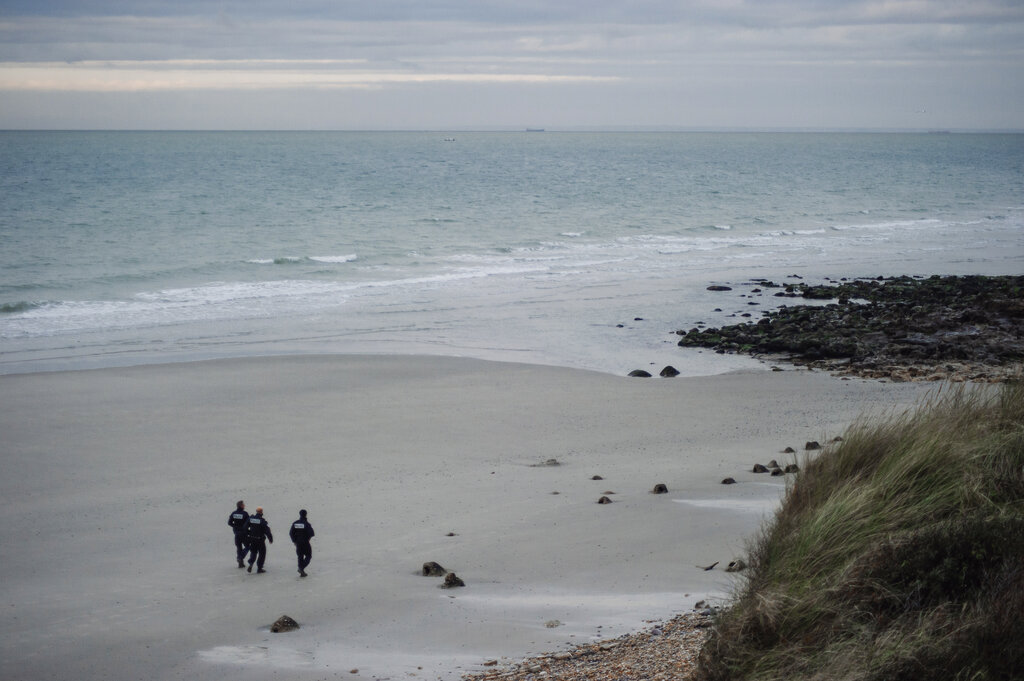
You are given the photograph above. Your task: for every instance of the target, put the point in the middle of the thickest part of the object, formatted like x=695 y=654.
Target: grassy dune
x=897 y=554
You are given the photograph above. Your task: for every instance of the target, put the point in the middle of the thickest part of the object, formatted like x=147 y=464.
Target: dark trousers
x=240 y=546
x=305 y=554
x=257 y=552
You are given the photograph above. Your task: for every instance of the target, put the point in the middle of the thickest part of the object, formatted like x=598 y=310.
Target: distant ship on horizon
x=535 y=130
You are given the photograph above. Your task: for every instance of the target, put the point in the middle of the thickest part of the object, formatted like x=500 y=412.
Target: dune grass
x=897 y=554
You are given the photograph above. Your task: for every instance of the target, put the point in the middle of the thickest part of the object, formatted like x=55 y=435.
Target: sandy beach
x=118 y=563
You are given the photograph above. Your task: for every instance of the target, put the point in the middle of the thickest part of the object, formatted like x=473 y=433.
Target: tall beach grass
x=897 y=554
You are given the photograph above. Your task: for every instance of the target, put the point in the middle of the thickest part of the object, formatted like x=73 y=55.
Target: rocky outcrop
x=900 y=328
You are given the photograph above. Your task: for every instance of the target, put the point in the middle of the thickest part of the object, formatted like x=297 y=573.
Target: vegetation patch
x=897 y=554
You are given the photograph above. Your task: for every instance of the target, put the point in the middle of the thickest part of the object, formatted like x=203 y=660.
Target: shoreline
x=117 y=480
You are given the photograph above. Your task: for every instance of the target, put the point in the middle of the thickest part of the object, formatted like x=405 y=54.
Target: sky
x=512 y=64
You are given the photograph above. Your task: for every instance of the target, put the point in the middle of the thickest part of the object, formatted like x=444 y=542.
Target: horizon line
x=566 y=129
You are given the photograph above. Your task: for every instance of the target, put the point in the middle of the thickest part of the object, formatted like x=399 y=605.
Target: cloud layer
x=485 y=63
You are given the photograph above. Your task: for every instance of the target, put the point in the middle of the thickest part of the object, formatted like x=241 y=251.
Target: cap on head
x=259 y=509
x=302 y=513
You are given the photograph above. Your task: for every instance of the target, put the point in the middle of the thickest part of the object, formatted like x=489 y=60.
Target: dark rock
x=773 y=463
x=719 y=288
x=777 y=472
x=660 y=488
x=452 y=581
x=791 y=468
x=758 y=468
x=669 y=372
x=284 y=623
x=736 y=566
x=728 y=481
x=895 y=328
x=837 y=438
x=812 y=445
x=604 y=500
x=789 y=450
x=639 y=373
x=597 y=477
x=433 y=569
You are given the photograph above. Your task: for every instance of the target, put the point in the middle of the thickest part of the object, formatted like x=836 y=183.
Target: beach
x=118 y=562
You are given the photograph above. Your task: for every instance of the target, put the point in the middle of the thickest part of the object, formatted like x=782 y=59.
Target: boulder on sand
x=284 y=623
x=452 y=581
x=432 y=569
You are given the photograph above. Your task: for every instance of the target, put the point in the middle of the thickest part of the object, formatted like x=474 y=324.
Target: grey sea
x=576 y=249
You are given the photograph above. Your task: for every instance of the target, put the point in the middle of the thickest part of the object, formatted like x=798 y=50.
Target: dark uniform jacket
x=259 y=529
x=239 y=521
x=301 y=531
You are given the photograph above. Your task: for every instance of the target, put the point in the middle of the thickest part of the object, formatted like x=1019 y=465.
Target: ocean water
x=576 y=249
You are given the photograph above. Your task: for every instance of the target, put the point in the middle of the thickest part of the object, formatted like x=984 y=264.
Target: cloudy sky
x=510 y=64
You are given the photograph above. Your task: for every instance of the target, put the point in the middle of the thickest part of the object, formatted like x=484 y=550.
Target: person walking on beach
x=239 y=522
x=258 y=535
x=301 y=533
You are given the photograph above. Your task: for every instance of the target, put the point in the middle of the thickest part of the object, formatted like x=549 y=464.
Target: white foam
x=886 y=225
x=334 y=258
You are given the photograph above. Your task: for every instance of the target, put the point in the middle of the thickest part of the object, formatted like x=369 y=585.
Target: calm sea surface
x=130 y=247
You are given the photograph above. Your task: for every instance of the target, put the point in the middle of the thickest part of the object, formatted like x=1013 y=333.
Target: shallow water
x=136 y=247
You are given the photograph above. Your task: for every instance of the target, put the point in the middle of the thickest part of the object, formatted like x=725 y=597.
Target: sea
x=575 y=249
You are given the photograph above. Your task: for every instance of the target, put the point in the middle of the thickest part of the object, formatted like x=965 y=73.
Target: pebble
x=642 y=656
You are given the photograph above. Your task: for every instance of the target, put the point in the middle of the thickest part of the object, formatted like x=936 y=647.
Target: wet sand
x=118 y=563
